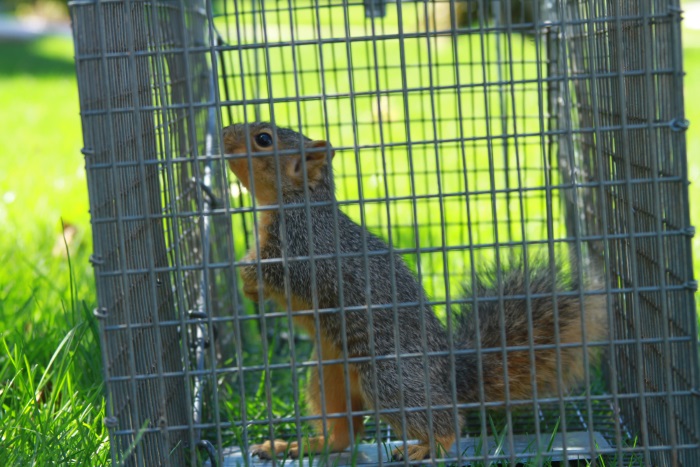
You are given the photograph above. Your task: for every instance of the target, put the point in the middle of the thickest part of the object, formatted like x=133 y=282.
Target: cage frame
x=99 y=113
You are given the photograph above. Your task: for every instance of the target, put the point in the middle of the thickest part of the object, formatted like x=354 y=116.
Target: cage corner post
x=147 y=403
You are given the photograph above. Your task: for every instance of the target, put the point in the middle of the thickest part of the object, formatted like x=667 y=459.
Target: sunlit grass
x=51 y=397
x=51 y=394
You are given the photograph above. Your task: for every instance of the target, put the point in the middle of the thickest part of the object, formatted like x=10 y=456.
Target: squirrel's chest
x=291 y=238
x=267 y=233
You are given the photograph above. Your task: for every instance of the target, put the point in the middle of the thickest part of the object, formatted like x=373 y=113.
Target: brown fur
x=520 y=386
x=519 y=362
x=338 y=429
x=367 y=282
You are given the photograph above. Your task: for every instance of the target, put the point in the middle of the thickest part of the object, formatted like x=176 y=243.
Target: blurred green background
x=50 y=369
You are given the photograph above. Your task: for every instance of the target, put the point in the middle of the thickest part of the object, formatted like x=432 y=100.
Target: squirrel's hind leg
x=338 y=429
x=340 y=436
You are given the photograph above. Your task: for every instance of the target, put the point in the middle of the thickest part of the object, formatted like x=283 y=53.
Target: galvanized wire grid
x=509 y=126
x=145 y=130
x=625 y=82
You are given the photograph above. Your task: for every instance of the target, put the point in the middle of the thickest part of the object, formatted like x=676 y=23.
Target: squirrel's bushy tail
x=544 y=284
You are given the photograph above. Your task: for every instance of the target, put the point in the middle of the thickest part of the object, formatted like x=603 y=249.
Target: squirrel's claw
x=260 y=451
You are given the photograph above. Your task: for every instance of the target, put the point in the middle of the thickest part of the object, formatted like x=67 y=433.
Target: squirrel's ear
x=318 y=153
x=316 y=158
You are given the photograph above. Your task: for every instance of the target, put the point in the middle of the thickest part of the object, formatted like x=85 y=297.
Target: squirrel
x=297 y=171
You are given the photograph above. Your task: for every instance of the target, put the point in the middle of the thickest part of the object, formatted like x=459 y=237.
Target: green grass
x=51 y=395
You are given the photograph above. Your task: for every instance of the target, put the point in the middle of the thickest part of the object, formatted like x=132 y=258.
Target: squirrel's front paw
x=420 y=451
x=250 y=290
x=270 y=449
x=250 y=282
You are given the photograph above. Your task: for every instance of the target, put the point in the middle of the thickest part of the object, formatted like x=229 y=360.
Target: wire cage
x=464 y=132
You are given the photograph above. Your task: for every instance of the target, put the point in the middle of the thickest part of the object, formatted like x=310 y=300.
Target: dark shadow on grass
x=26 y=58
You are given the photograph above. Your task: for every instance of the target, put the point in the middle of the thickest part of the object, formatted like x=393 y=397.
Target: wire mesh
x=464 y=133
x=145 y=127
x=625 y=85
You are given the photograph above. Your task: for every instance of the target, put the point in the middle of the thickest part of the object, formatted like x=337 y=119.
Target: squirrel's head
x=271 y=147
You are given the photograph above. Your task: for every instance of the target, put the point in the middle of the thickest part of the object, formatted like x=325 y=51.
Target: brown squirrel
x=374 y=292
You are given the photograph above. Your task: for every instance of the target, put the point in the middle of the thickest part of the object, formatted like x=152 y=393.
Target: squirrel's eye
x=264 y=140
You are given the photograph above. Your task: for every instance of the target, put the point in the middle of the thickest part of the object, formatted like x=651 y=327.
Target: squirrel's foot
x=270 y=449
x=420 y=451
x=315 y=445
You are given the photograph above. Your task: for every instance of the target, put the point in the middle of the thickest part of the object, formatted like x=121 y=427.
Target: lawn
x=50 y=369
x=51 y=397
